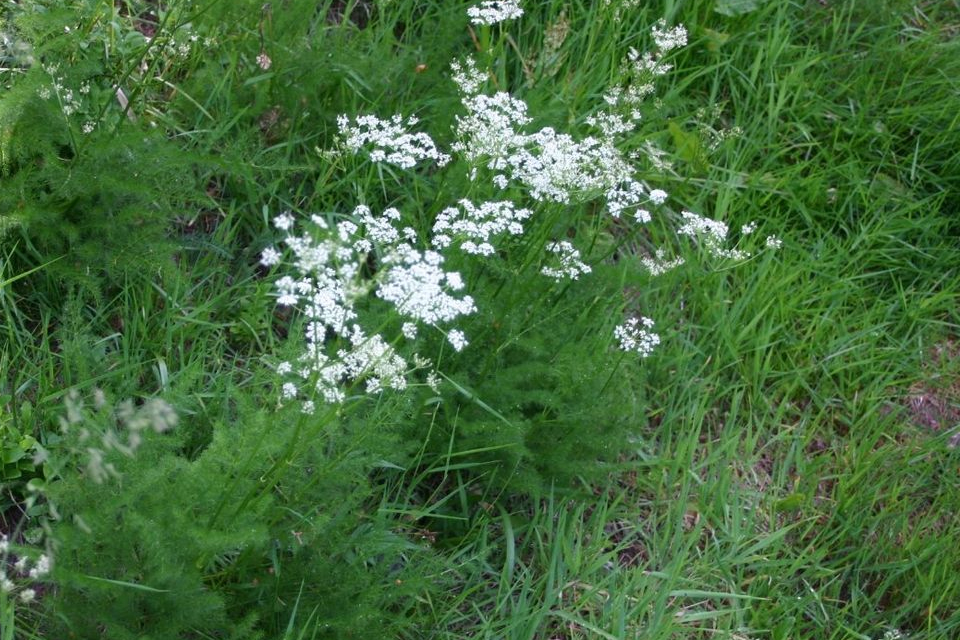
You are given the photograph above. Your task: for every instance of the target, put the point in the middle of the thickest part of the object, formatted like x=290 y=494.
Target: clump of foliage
x=88 y=175
x=151 y=544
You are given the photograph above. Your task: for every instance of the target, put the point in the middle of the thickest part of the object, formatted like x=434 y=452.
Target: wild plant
x=375 y=287
x=490 y=312
x=87 y=170
x=141 y=541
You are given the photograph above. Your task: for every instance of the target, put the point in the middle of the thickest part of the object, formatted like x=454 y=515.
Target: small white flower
x=634 y=335
x=269 y=257
x=773 y=242
x=658 y=196
x=457 y=339
x=711 y=235
x=88 y=126
x=391 y=141
x=748 y=228
x=41 y=568
x=494 y=11
x=289 y=390
x=659 y=264
x=570 y=265
x=409 y=330
x=308 y=407
x=283 y=221
x=668 y=39
x=28 y=595
x=346 y=229
x=284 y=368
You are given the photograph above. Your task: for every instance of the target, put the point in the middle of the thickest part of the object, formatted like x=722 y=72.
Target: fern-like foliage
x=84 y=179
x=548 y=404
x=262 y=524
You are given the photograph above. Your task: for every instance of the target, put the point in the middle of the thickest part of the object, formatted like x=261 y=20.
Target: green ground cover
x=783 y=464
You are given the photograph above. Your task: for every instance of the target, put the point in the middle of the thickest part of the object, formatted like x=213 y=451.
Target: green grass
x=769 y=472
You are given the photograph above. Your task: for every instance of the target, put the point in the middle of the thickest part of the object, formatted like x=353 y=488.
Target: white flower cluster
x=417 y=285
x=491 y=129
x=476 y=225
x=177 y=45
x=68 y=99
x=24 y=573
x=647 y=65
x=639 y=71
x=374 y=358
x=494 y=11
x=361 y=255
x=635 y=335
x=568 y=263
x=668 y=39
x=391 y=141
x=329 y=260
x=659 y=263
x=553 y=166
x=711 y=234
x=468 y=77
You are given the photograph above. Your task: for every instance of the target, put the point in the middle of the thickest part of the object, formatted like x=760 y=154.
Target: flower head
x=457 y=339
x=711 y=234
x=269 y=257
x=475 y=226
x=568 y=263
x=668 y=39
x=635 y=335
x=417 y=285
x=494 y=11
x=390 y=140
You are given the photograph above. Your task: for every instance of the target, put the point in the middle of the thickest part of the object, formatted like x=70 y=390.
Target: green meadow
x=405 y=319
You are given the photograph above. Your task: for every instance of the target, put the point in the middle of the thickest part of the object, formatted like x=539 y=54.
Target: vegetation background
x=784 y=466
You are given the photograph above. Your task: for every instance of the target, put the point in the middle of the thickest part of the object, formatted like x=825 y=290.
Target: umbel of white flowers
x=22 y=572
x=493 y=11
